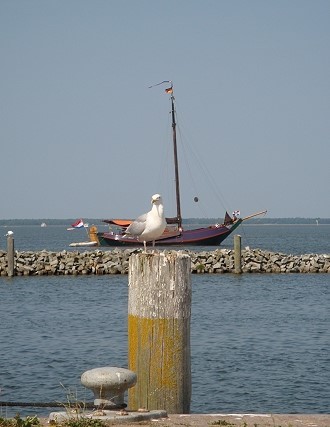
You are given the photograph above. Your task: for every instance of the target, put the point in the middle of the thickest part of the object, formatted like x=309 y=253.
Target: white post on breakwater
x=10 y=254
x=237 y=254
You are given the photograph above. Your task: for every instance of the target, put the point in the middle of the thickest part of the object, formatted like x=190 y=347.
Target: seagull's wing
x=138 y=226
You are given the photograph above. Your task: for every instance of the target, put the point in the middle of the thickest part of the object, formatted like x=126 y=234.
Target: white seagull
x=151 y=225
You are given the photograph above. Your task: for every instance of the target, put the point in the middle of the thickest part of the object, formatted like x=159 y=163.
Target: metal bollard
x=108 y=384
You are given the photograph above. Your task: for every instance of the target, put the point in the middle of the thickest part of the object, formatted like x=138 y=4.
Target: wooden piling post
x=159 y=311
x=237 y=254
x=10 y=256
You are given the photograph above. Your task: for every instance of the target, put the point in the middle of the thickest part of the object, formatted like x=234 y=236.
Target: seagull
x=9 y=233
x=149 y=226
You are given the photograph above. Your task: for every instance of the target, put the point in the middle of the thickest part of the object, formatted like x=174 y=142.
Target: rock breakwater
x=116 y=262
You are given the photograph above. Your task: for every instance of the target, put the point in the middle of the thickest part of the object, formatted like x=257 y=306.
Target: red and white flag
x=78 y=224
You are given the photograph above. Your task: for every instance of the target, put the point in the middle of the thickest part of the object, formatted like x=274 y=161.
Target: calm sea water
x=260 y=343
x=294 y=239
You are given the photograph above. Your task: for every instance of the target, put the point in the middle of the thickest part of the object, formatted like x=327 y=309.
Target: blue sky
x=83 y=136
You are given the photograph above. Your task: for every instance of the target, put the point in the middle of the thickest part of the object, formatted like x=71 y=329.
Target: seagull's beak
x=155 y=198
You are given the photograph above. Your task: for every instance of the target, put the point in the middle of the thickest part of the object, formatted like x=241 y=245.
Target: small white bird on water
x=151 y=225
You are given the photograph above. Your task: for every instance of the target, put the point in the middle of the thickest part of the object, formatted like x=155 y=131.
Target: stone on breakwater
x=116 y=262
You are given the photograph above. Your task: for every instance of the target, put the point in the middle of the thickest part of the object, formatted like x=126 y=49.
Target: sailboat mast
x=176 y=166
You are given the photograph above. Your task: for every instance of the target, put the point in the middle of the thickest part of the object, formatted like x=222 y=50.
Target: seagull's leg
x=153 y=246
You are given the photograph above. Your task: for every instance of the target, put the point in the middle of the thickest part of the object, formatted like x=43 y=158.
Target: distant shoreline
x=188 y=221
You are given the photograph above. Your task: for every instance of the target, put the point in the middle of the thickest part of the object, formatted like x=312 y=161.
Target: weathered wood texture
x=10 y=256
x=238 y=254
x=159 y=311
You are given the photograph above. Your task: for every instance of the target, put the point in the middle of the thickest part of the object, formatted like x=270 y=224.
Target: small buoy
x=196 y=199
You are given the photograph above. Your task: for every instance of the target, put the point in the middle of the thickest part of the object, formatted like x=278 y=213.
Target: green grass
x=20 y=422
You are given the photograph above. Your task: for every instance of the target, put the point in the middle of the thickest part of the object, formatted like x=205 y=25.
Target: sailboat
x=175 y=234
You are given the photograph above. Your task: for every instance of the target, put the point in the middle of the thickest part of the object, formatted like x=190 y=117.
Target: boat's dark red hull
x=206 y=236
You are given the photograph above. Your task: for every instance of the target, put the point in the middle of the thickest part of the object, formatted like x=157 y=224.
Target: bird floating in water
x=151 y=225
